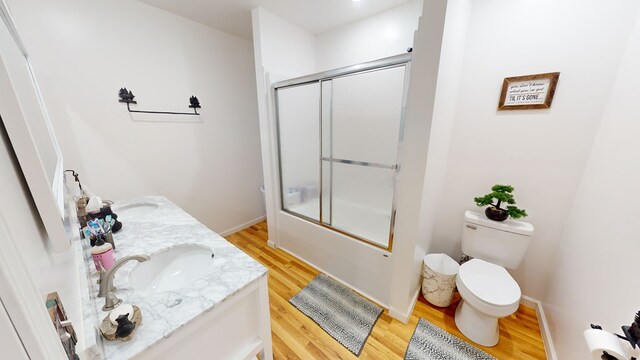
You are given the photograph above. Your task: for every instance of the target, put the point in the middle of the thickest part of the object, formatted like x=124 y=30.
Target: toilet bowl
x=487 y=290
x=488 y=293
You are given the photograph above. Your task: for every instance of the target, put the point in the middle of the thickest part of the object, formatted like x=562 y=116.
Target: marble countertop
x=165 y=227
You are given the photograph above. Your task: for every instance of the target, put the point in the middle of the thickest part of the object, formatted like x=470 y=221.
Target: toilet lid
x=489 y=282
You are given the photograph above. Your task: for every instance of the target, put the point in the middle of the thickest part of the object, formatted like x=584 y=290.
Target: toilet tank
x=501 y=243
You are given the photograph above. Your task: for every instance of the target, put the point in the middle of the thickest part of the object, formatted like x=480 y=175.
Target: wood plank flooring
x=295 y=336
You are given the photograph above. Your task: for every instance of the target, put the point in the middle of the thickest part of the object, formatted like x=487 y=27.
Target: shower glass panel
x=299 y=138
x=366 y=114
x=362 y=201
x=339 y=134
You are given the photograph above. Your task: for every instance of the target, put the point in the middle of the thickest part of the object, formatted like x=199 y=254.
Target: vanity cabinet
x=238 y=328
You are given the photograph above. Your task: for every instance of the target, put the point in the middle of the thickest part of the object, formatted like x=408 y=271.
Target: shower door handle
x=361 y=163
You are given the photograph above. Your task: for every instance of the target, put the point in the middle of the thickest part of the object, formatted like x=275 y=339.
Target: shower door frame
x=402 y=60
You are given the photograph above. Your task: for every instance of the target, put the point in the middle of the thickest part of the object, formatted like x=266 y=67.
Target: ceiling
x=234 y=16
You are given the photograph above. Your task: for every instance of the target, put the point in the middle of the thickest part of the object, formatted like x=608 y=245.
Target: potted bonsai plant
x=501 y=194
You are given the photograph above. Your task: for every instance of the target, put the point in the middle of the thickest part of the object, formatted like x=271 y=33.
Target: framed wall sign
x=528 y=92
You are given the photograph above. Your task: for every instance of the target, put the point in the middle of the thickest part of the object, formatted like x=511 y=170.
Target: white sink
x=172 y=269
x=135 y=210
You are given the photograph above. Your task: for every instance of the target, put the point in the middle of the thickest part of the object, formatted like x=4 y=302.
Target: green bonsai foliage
x=501 y=193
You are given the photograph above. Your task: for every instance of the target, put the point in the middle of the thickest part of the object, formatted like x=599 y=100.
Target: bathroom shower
x=339 y=139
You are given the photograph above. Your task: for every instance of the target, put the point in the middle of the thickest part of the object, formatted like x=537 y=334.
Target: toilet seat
x=488 y=287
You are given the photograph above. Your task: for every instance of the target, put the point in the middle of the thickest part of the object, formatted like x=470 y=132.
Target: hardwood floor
x=295 y=336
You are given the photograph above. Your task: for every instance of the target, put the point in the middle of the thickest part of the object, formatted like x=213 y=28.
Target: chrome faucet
x=106 y=281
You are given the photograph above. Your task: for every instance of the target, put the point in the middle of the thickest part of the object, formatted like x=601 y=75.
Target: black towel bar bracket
x=126 y=96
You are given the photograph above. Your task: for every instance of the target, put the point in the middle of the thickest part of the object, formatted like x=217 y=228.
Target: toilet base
x=477 y=326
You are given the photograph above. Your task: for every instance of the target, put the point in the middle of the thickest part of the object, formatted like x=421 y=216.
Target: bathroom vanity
x=200 y=296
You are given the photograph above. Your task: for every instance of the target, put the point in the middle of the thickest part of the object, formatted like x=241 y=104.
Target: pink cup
x=106 y=259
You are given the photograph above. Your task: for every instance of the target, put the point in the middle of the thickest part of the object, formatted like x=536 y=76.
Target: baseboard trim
x=243 y=226
x=406 y=315
x=377 y=301
x=271 y=244
x=549 y=349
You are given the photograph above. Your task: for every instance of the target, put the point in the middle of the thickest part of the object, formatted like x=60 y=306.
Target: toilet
x=488 y=291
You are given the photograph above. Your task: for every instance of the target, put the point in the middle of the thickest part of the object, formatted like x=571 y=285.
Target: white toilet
x=488 y=291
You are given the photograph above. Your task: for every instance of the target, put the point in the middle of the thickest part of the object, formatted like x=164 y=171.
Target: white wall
x=83 y=52
x=285 y=49
x=541 y=152
x=449 y=72
x=385 y=34
x=594 y=273
x=419 y=114
x=291 y=51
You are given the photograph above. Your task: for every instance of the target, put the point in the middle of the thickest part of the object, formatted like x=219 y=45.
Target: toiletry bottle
x=102 y=253
x=81 y=206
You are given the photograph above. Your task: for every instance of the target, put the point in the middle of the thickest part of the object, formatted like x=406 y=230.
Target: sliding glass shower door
x=338 y=148
x=299 y=139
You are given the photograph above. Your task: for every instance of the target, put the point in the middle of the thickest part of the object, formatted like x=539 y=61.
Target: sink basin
x=172 y=269
x=135 y=210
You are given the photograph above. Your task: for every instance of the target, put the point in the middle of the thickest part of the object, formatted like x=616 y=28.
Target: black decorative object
x=632 y=333
x=496 y=213
x=126 y=96
x=76 y=177
x=125 y=326
x=194 y=103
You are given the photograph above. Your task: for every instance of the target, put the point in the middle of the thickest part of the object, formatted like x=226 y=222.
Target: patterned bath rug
x=429 y=342
x=343 y=314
